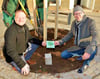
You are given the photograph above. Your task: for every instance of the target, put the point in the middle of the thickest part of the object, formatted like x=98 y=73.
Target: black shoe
x=82 y=69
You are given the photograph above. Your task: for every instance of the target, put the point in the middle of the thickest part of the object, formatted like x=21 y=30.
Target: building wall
x=1 y=5
x=64 y=4
x=75 y=2
x=86 y=3
x=97 y=4
x=89 y=4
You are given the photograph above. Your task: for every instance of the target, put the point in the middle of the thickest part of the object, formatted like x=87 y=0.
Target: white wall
x=86 y=3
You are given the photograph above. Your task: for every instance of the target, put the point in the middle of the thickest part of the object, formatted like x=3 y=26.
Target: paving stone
x=97 y=59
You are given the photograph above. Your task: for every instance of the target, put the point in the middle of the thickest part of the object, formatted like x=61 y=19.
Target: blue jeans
x=67 y=54
x=30 y=50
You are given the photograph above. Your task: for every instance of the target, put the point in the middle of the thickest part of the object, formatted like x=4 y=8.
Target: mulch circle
x=59 y=64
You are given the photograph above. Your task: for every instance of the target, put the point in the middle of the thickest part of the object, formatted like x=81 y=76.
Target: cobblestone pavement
x=93 y=72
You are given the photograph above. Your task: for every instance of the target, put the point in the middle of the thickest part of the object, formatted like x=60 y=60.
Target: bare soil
x=59 y=64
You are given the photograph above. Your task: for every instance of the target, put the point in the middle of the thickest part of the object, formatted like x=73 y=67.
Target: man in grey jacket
x=84 y=30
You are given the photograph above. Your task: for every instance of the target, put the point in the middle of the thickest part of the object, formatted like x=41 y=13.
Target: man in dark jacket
x=84 y=30
x=16 y=40
x=9 y=7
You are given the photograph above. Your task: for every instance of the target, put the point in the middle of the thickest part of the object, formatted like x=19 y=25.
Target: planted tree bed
x=58 y=64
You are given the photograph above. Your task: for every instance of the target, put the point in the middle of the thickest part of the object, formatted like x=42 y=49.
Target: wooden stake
x=56 y=19
x=45 y=21
x=93 y=4
x=70 y=15
x=34 y=14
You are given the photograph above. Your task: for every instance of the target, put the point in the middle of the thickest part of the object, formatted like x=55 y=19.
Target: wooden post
x=93 y=4
x=34 y=14
x=45 y=20
x=70 y=15
x=56 y=19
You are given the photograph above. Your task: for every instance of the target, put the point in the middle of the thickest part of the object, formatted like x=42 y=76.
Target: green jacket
x=39 y=3
x=15 y=43
x=10 y=6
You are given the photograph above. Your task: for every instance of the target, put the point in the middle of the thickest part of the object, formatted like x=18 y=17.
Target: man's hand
x=86 y=56
x=56 y=43
x=25 y=70
x=43 y=43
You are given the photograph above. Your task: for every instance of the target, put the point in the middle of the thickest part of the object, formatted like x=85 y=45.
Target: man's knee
x=65 y=54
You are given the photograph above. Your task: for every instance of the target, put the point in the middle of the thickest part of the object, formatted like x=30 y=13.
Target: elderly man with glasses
x=84 y=30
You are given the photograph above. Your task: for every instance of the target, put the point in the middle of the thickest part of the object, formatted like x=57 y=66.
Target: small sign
x=48 y=59
x=50 y=44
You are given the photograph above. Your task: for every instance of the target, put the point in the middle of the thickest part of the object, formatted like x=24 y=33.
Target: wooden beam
x=34 y=15
x=71 y=4
x=93 y=4
x=45 y=20
x=70 y=15
x=56 y=19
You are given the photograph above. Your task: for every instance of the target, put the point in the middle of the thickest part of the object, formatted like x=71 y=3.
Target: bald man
x=16 y=42
x=9 y=7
